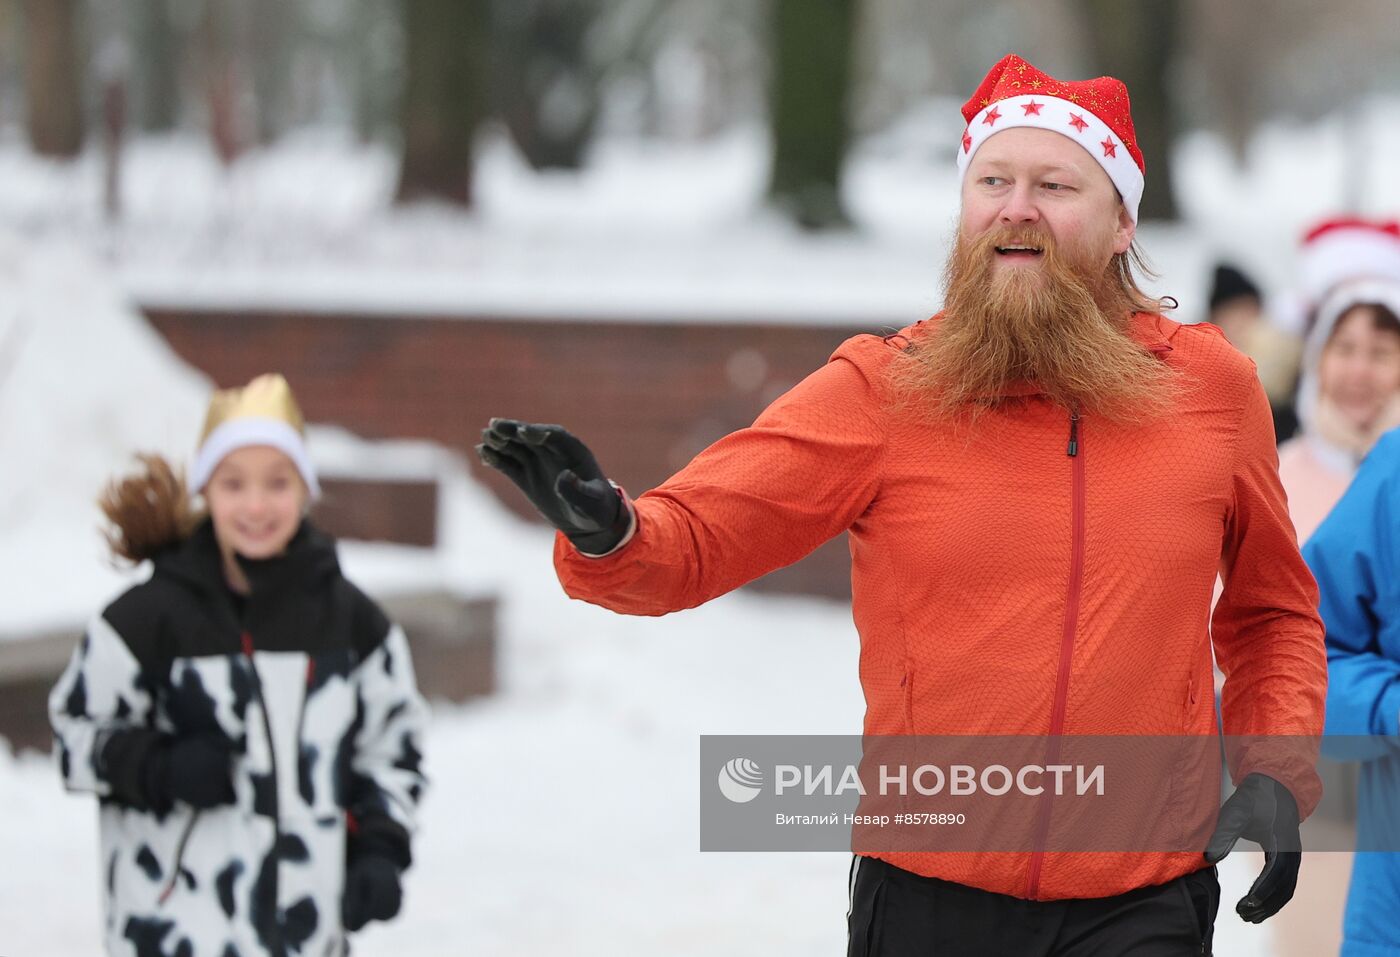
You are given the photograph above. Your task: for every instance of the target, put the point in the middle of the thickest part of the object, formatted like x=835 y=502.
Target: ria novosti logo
x=740 y=780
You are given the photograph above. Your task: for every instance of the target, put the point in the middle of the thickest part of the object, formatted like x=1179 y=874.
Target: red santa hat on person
x=1094 y=113
x=1338 y=250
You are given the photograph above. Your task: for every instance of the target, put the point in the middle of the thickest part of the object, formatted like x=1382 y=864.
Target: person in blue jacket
x=1355 y=556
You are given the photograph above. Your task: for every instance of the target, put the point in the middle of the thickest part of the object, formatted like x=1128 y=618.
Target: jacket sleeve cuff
x=1291 y=768
x=631 y=526
x=128 y=759
x=1390 y=711
x=377 y=835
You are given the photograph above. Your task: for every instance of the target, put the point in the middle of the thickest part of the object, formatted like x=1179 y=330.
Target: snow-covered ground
x=564 y=813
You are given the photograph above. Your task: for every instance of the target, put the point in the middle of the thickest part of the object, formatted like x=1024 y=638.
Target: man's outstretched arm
x=758 y=499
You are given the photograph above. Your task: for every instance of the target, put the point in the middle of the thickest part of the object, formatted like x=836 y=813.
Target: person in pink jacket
x=1348 y=396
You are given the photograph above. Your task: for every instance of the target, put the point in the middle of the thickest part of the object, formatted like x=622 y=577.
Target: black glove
x=1263 y=811
x=559 y=475
x=196 y=769
x=372 y=891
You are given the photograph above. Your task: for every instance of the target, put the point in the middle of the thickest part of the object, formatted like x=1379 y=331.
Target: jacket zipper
x=247 y=643
x=179 y=860
x=1074 y=451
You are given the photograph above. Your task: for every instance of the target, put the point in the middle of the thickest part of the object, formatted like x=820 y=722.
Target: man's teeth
x=1018 y=249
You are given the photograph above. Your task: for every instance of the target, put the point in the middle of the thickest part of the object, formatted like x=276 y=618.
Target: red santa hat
x=1342 y=249
x=1094 y=113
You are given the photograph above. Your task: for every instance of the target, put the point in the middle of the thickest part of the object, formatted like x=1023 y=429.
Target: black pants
x=895 y=913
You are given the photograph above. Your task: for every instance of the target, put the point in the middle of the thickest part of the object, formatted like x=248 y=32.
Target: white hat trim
x=243 y=432
x=1073 y=120
x=1345 y=253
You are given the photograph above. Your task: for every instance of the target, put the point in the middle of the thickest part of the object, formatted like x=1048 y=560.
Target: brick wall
x=645 y=396
x=379 y=510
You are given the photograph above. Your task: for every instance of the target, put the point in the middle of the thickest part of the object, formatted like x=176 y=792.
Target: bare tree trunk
x=1136 y=41
x=443 y=97
x=546 y=89
x=113 y=131
x=813 y=51
x=156 y=65
x=273 y=31
x=222 y=82
x=376 y=69
x=53 y=77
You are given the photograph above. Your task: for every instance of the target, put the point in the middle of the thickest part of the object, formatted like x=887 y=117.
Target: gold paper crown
x=266 y=397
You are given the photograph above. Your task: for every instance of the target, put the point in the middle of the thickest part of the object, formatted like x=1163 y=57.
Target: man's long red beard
x=1061 y=326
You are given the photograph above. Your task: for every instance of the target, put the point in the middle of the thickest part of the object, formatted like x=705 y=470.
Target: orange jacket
x=1002 y=586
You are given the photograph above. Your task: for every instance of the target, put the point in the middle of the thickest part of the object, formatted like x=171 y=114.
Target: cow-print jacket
x=314 y=689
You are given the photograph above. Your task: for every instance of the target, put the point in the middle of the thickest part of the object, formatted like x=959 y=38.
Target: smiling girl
x=247 y=717
x=1348 y=397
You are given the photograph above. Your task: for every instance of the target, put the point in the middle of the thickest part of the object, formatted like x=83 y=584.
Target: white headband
x=242 y=432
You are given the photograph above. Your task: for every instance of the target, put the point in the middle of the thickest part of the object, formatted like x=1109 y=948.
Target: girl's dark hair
x=148 y=511
x=1383 y=318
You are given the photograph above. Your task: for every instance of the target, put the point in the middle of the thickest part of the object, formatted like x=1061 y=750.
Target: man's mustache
x=1015 y=238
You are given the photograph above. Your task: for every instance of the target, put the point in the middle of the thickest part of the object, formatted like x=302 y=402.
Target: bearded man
x=1040 y=484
